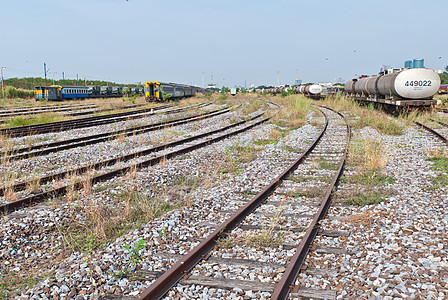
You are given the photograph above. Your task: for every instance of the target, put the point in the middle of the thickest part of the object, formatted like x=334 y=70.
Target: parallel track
x=43 y=109
x=207 y=139
x=282 y=289
x=53 y=147
x=83 y=122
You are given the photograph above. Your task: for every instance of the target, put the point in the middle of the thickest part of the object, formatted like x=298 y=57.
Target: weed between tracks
x=440 y=163
x=369 y=184
x=367 y=115
x=268 y=236
x=293 y=112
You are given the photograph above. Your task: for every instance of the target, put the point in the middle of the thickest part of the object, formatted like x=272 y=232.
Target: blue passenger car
x=74 y=92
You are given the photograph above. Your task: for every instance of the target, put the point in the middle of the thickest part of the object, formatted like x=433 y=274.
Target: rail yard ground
x=112 y=238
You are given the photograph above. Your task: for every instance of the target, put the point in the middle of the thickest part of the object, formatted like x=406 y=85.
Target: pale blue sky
x=247 y=40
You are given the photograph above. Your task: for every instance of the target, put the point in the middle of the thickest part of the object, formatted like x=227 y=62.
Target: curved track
x=434 y=132
x=180 y=271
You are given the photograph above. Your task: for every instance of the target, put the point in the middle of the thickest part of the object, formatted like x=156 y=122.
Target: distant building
x=298 y=82
x=211 y=86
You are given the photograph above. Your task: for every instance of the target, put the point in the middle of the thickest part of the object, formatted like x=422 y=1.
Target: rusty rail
x=165 y=282
x=11 y=206
x=429 y=129
x=282 y=289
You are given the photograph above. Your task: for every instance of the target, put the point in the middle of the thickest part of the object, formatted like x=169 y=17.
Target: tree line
x=28 y=83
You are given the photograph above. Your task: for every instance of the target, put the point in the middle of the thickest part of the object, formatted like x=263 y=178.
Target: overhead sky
x=238 y=41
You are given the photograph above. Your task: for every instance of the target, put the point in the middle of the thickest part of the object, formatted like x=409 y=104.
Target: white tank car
x=398 y=84
x=409 y=84
x=314 y=89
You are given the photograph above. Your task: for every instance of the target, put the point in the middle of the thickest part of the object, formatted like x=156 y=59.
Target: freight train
x=396 y=88
x=162 y=91
x=58 y=92
x=309 y=90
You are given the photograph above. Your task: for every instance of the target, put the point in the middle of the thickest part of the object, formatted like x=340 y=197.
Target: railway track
x=44 y=109
x=434 y=132
x=92 y=111
x=86 y=122
x=146 y=157
x=53 y=147
x=196 y=268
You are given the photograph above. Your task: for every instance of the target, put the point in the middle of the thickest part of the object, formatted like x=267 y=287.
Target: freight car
x=161 y=91
x=309 y=90
x=396 y=87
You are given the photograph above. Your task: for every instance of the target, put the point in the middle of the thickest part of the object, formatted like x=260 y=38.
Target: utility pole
x=77 y=79
x=202 y=79
x=45 y=72
x=278 y=78
x=85 y=82
x=53 y=75
x=3 y=88
x=63 y=77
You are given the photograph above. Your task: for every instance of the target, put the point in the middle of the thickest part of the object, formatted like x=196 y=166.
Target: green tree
x=444 y=78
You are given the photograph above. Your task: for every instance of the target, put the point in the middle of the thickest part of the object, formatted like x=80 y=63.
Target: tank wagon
x=396 y=87
x=309 y=90
x=161 y=91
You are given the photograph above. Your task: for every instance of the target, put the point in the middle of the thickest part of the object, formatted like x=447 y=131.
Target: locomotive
x=161 y=91
x=396 y=87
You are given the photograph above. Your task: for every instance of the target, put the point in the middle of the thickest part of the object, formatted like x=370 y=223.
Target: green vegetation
x=327 y=165
x=369 y=184
x=266 y=142
x=12 y=93
x=440 y=159
x=444 y=76
x=29 y=83
x=134 y=252
x=370 y=178
x=40 y=119
x=11 y=282
x=365 y=199
x=293 y=112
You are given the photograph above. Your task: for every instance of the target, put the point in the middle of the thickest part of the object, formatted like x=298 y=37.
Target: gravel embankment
x=396 y=249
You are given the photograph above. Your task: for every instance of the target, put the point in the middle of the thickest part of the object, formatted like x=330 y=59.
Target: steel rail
x=97 y=122
x=165 y=282
x=440 y=122
x=55 y=126
x=98 y=138
x=429 y=129
x=42 y=180
x=11 y=206
x=282 y=289
x=86 y=112
x=47 y=108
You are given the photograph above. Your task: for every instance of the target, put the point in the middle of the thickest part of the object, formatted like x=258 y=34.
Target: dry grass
x=368 y=154
x=268 y=236
x=368 y=183
x=293 y=112
x=367 y=115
